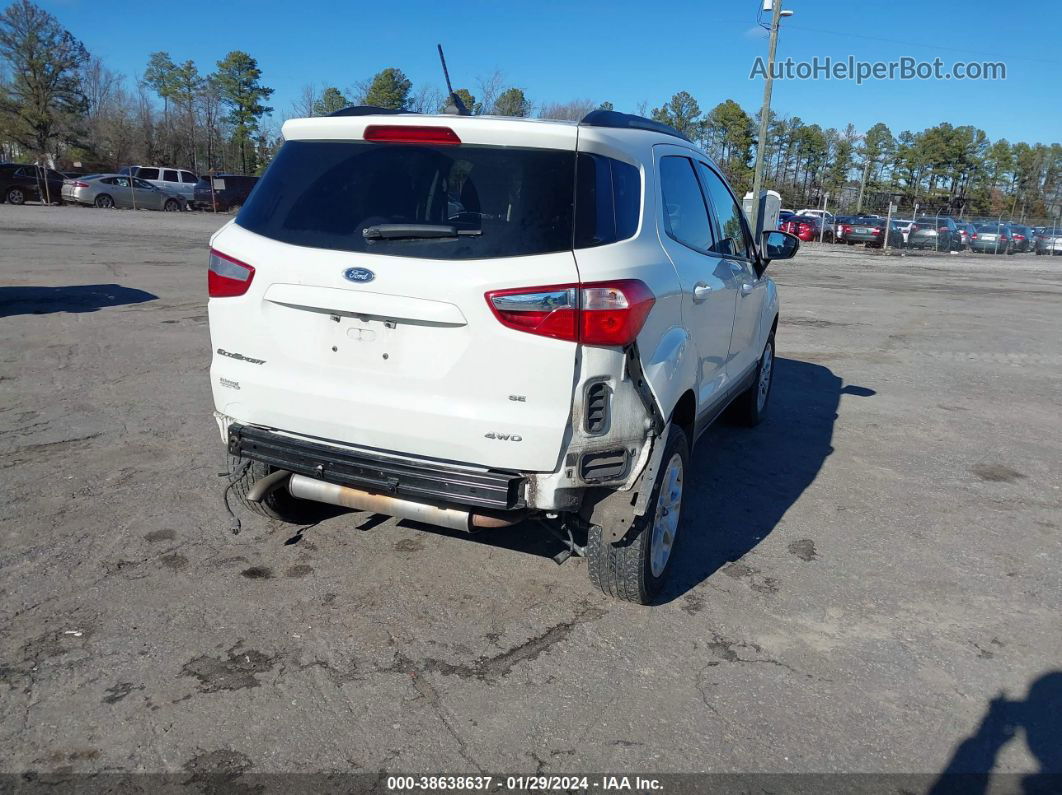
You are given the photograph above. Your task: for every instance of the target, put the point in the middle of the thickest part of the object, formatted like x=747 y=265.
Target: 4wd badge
x=504 y=437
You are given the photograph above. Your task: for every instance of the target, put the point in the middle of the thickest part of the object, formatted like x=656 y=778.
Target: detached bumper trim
x=422 y=480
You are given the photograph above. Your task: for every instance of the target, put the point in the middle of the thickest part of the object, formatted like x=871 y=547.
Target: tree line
x=60 y=104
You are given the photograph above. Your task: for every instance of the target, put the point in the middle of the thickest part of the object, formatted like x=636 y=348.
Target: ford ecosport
x=473 y=321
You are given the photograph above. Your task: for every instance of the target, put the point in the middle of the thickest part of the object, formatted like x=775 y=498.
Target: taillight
x=596 y=313
x=408 y=134
x=973 y=236
x=875 y=231
x=614 y=312
x=77 y=184
x=227 y=276
x=942 y=229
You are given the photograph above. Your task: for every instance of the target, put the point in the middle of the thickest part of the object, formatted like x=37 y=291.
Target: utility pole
x=863 y=182
x=765 y=113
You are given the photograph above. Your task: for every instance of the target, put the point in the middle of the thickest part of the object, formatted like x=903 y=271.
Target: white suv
x=469 y=321
x=177 y=181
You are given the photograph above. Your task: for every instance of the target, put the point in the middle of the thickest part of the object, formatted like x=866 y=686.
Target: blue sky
x=619 y=51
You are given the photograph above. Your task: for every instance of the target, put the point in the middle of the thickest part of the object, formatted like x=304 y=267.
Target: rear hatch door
x=385 y=338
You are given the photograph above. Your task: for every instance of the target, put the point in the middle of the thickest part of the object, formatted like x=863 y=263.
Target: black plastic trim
x=366 y=110
x=628 y=121
x=422 y=480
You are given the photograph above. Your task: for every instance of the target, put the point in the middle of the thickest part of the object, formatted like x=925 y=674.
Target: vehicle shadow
x=75 y=298
x=744 y=480
x=1039 y=715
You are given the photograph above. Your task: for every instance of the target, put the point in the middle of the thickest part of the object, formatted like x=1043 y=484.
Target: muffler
x=318 y=490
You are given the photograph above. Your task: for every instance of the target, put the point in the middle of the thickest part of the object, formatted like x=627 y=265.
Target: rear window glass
x=504 y=202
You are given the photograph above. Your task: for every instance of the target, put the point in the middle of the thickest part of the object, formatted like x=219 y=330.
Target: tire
x=16 y=196
x=635 y=567
x=278 y=504
x=104 y=201
x=171 y=206
x=750 y=407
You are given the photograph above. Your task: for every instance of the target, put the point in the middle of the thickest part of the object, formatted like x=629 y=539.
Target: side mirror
x=779 y=245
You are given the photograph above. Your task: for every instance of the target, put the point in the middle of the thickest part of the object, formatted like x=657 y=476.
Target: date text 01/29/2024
x=522 y=783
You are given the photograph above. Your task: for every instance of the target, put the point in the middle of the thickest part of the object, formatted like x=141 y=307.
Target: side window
x=148 y=173
x=684 y=211
x=188 y=176
x=109 y=180
x=728 y=214
x=121 y=182
x=169 y=176
x=143 y=185
x=608 y=198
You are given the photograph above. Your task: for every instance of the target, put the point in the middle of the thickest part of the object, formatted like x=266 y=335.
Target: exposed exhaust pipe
x=318 y=490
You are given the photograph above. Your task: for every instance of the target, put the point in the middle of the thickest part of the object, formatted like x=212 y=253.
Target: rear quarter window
x=608 y=200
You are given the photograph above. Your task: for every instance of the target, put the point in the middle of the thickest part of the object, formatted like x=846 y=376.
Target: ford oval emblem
x=358 y=275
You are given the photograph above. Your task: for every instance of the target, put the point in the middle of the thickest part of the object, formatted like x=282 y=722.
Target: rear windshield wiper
x=415 y=231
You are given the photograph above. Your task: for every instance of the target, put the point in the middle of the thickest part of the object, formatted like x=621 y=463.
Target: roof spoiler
x=366 y=110
x=628 y=121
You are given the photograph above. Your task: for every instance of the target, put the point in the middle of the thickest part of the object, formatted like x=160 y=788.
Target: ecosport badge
x=358 y=275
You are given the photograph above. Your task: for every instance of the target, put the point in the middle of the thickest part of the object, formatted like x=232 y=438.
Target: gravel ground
x=866 y=580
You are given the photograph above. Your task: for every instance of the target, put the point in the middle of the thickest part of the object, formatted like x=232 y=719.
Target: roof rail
x=628 y=121
x=366 y=110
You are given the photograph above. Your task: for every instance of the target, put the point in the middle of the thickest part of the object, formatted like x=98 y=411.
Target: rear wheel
x=278 y=503
x=635 y=567
x=171 y=206
x=16 y=196
x=104 y=201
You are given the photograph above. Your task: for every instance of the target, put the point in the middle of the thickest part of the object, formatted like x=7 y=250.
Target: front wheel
x=751 y=407
x=16 y=196
x=634 y=568
x=171 y=206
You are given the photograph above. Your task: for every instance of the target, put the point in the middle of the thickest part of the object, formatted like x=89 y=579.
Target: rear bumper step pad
x=424 y=480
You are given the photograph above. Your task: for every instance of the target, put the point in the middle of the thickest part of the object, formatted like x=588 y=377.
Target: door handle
x=746 y=288
x=701 y=291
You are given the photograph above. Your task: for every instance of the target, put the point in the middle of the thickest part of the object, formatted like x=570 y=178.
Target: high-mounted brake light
x=597 y=313
x=408 y=134
x=226 y=276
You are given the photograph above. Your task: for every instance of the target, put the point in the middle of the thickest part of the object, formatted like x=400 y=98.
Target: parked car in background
x=905 y=226
x=1021 y=238
x=177 y=181
x=824 y=214
x=966 y=232
x=990 y=239
x=121 y=190
x=227 y=192
x=841 y=224
x=809 y=228
x=783 y=217
x=939 y=233
x=1049 y=241
x=870 y=231
x=29 y=183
